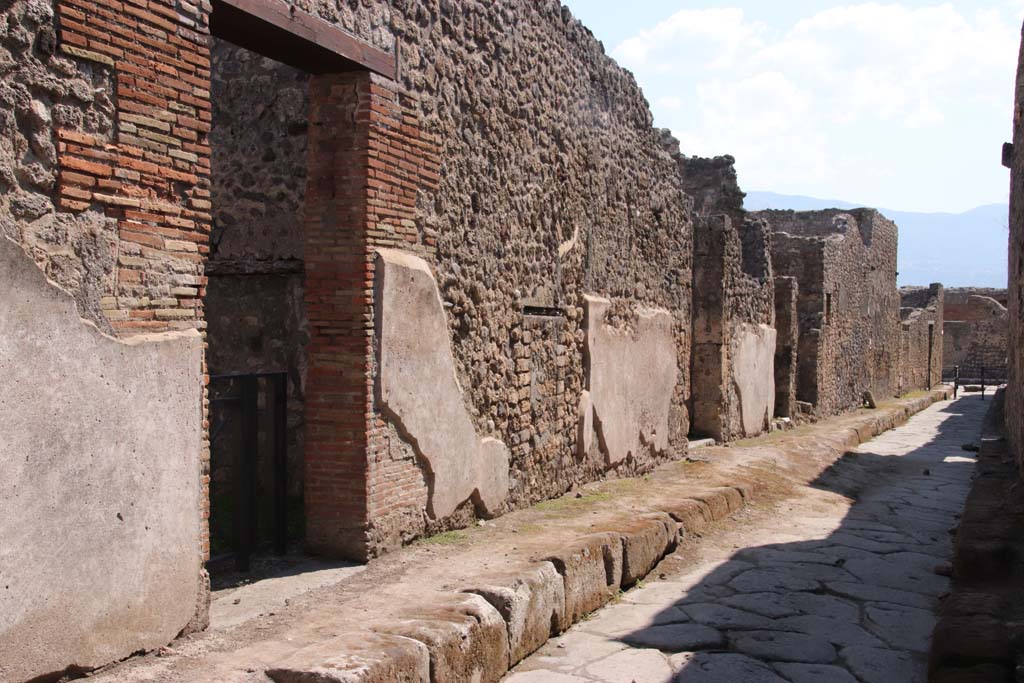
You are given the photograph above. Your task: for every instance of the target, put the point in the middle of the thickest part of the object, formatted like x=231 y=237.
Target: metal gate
x=235 y=402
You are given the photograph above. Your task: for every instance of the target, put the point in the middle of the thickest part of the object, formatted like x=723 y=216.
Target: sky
x=900 y=105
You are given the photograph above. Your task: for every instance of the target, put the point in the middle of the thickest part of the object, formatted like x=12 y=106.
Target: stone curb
x=482 y=632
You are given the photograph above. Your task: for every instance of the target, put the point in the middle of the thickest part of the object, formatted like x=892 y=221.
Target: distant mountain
x=958 y=250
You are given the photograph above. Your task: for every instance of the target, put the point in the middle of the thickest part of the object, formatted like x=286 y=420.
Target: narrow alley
x=839 y=583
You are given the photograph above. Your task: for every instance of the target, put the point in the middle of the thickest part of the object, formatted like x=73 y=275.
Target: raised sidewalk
x=467 y=606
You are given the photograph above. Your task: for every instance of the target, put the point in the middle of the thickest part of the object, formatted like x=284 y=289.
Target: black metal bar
x=281 y=465
x=982 y=382
x=243 y=375
x=245 y=510
x=956 y=380
x=931 y=341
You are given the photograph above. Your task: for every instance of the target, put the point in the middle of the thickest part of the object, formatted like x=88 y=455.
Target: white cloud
x=670 y=103
x=808 y=107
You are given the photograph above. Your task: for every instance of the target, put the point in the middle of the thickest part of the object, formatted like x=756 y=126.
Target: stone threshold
x=469 y=606
x=979 y=637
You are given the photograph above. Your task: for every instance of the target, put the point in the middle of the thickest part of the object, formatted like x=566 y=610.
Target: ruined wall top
x=832 y=222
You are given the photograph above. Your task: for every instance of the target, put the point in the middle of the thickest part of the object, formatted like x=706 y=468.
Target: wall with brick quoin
x=586 y=204
x=975 y=330
x=848 y=304
x=1015 y=304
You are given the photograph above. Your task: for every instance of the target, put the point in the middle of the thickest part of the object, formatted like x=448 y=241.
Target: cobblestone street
x=838 y=584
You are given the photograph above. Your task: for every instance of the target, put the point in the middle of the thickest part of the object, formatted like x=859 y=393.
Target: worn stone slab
x=532 y=603
x=814 y=673
x=419 y=390
x=719 y=667
x=878 y=665
x=465 y=636
x=724 y=617
x=721 y=502
x=675 y=637
x=629 y=666
x=904 y=628
x=693 y=515
x=357 y=658
x=544 y=677
x=644 y=545
x=591 y=570
x=100 y=445
x=784 y=647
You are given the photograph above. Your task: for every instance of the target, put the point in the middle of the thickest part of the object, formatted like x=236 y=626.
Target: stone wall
x=975 y=329
x=921 y=339
x=512 y=156
x=733 y=328
x=586 y=205
x=787 y=291
x=732 y=367
x=848 y=304
x=1015 y=302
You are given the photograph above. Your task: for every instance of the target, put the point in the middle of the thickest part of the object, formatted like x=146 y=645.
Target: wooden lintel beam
x=287 y=34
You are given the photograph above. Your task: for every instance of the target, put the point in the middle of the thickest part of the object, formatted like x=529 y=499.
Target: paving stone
x=572 y=651
x=841 y=632
x=836 y=596
x=767 y=604
x=784 y=646
x=812 y=571
x=657 y=593
x=829 y=606
x=630 y=666
x=877 y=665
x=863 y=591
x=779 y=556
x=544 y=677
x=724 y=617
x=772 y=579
x=814 y=673
x=901 y=627
x=882 y=572
x=675 y=637
x=708 y=667
x=624 y=618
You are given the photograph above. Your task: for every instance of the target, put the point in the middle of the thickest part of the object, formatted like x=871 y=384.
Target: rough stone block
x=532 y=603
x=722 y=502
x=465 y=636
x=693 y=515
x=357 y=658
x=591 y=570
x=644 y=545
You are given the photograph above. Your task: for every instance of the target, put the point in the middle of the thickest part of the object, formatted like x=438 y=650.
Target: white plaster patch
x=631 y=377
x=753 y=372
x=419 y=389
x=99 y=498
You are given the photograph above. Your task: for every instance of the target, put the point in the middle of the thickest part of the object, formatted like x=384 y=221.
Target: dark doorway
x=257 y=330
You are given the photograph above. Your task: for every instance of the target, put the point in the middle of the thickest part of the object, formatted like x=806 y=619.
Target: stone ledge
x=472 y=610
x=546 y=598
